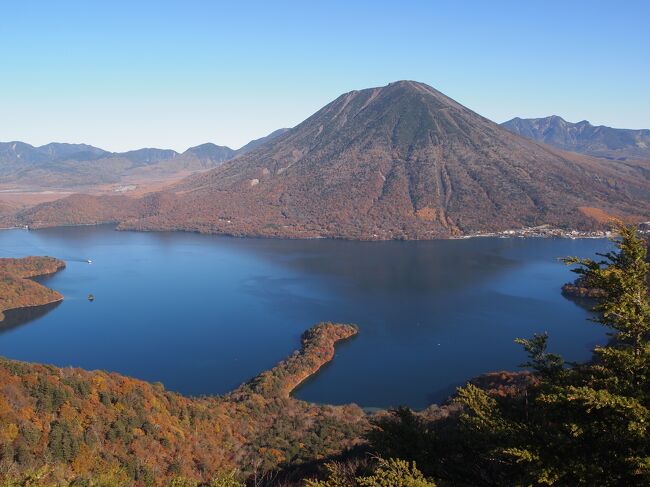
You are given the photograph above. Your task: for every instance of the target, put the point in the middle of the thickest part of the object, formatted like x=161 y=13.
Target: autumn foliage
x=17 y=290
x=67 y=424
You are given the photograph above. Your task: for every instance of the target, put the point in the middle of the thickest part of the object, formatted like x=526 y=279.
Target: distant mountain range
x=73 y=165
x=401 y=161
x=582 y=137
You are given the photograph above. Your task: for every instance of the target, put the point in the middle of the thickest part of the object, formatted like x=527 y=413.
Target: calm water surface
x=204 y=313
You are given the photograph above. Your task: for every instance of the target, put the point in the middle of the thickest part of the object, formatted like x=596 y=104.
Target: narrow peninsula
x=60 y=413
x=317 y=350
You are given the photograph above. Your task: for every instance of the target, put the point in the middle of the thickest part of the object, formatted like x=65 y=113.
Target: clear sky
x=129 y=74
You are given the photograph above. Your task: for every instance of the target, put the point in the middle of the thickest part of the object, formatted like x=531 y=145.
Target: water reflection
x=14 y=318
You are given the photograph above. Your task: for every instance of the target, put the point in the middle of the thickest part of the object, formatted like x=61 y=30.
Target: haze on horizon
x=178 y=74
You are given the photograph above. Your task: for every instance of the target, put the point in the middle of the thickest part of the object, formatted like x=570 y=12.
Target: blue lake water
x=204 y=313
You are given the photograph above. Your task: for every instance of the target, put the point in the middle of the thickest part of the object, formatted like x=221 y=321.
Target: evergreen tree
x=63 y=443
x=588 y=424
x=387 y=473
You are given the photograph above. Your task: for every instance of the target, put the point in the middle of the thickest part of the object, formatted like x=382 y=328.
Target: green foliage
x=183 y=482
x=227 y=479
x=28 y=479
x=63 y=444
x=391 y=472
x=338 y=475
x=30 y=433
x=403 y=434
x=396 y=473
x=49 y=396
x=543 y=363
x=624 y=309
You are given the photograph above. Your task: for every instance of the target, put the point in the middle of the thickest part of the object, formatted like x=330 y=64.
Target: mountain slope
x=583 y=137
x=254 y=144
x=148 y=155
x=211 y=152
x=401 y=161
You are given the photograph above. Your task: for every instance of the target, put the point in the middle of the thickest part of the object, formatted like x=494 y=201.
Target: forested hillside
x=557 y=423
x=70 y=424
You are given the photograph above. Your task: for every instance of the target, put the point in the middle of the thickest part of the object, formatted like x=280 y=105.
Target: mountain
x=78 y=152
x=254 y=144
x=20 y=152
x=148 y=156
x=58 y=165
x=583 y=137
x=211 y=152
x=400 y=161
x=69 y=165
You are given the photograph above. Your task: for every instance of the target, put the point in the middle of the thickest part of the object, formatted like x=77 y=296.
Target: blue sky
x=124 y=75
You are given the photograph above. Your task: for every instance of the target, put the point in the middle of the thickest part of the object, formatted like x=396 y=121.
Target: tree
x=588 y=424
x=624 y=309
x=63 y=443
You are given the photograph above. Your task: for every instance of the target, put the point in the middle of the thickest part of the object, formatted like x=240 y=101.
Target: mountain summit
x=399 y=161
x=583 y=137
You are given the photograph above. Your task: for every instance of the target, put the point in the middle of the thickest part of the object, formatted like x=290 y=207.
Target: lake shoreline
x=248 y=298
x=20 y=290
x=28 y=307
x=542 y=231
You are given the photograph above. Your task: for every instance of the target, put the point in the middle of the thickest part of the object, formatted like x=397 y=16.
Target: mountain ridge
x=583 y=137
x=64 y=165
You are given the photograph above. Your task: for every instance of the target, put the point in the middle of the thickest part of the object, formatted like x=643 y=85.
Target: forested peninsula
x=18 y=290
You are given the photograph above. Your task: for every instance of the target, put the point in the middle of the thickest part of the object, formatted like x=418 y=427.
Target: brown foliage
x=83 y=424
x=18 y=291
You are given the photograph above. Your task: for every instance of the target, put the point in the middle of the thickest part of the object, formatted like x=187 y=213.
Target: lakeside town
x=548 y=231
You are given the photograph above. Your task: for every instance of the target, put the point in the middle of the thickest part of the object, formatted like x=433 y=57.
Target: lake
x=201 y=313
